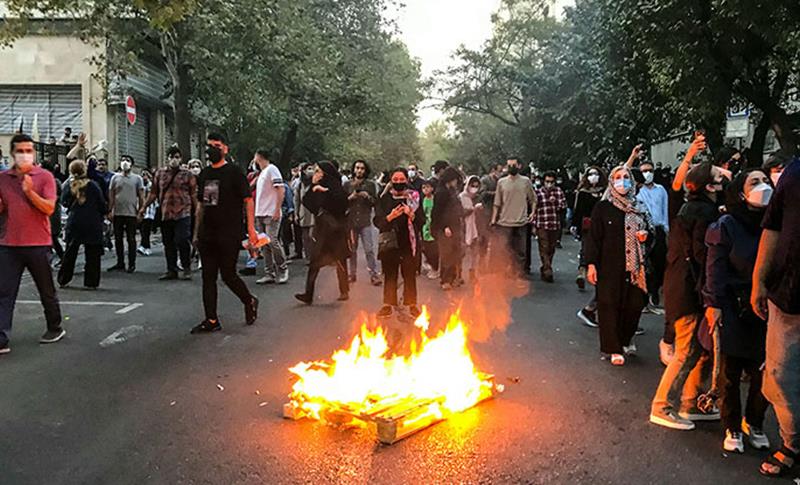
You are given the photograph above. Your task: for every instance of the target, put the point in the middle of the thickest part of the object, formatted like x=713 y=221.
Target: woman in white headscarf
x=615 y=252
x=471 y=204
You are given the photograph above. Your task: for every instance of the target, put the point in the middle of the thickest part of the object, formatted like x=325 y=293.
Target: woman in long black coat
x=327 y=200
x=86 y=207
x=616 y=264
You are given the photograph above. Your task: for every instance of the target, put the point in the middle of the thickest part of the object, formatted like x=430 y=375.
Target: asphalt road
x=133 y=398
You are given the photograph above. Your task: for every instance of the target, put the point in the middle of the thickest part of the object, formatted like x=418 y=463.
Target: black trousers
x=528 y=248
x=146 y=228
x=394 y=263
x=125 y=226
x=219 y=258
x=313 y=273
x=731 y=370
x=91 y=268
x=657 y=263
x=618 y=322
x=431 y=251
x=450 y=254
x=177 y=238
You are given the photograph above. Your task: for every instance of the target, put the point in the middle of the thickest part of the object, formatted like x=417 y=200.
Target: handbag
x=387 y=241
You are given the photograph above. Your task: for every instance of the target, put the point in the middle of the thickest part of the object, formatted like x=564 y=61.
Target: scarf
x=412 y=201
x=635 y=220
x=470 y=226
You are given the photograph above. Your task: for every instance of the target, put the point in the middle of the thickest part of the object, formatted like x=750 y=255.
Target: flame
x=366 y=376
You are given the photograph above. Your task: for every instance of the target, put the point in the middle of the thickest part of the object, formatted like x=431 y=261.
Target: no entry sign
x=130 y=109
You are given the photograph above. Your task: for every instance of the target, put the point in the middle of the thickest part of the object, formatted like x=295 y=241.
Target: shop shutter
x=57 y=107
x=134 y=139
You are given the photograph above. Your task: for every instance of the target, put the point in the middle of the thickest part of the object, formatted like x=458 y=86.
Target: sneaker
x=180 y=266
x=665 y=352
x=733 y=441
x=52 y=336
x=669 y=419
x=207 y=326
x=639 y=331
x=169 y=275
x=630 y=350
x=307 y=299
x=695 y=414
x=284 y=277
x=653 y=310
x=247 y=271
x=375 y=280
x=131 y=269
x=140 y=250
x=251 y=311
x=148 y=252
x=186 y=275
x=588 y=317
x=757 y=437
x=385 y=311
x=266 y=280
x=116 y=267
x=5 y=348
x=433 y=275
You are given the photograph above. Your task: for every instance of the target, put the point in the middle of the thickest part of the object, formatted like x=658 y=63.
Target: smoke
x=488 y=309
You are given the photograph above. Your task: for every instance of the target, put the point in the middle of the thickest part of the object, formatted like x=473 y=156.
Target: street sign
x=737 y=124
x=130 y=109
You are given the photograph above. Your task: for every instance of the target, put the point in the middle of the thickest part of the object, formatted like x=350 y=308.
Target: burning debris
x=366 y=385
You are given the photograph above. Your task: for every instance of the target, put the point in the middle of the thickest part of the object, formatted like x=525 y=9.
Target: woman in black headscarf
x=327 y=200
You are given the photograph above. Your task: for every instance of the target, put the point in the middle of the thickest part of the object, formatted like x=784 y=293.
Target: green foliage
x=436 y=143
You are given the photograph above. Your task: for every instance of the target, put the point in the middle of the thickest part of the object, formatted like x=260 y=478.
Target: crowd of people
x=713 y=248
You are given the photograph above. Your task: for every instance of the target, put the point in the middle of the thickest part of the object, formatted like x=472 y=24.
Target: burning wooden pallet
x=391 y=419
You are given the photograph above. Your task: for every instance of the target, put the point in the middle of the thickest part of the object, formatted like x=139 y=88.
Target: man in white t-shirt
x=269 y=198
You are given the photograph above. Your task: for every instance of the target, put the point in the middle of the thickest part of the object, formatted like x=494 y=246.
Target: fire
x=365 y=380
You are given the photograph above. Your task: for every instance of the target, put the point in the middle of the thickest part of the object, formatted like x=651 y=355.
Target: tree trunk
x=782 y=126
x=289 y=143
x=183 y=116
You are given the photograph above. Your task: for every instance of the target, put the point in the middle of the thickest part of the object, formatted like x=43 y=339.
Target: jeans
x=782 y=374
x=510 y=249
x=547 y=239
x=274 y=257
x=367 y=236
x=731 y=370
x=91 y=269
x=177 y=238
x=394 y=263
x=220 y=258
x=683 y=379
x=125 y=225
x=14 y=261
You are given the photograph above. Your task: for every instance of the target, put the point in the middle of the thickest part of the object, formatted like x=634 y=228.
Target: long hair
x=601 y=184
x=77 y=186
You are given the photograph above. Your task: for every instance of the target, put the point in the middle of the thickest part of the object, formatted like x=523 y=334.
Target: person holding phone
x=615 y=252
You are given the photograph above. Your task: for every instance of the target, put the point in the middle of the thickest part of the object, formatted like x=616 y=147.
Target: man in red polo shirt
x=27 y=199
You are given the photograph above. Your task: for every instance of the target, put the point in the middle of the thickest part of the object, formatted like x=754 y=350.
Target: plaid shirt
x=177 y=200
x=549 y=204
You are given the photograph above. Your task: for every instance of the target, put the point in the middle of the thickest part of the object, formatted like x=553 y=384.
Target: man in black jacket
x=674 y=405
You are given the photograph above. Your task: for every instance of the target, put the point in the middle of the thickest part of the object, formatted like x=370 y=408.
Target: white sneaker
x=757 y=437
x=666 y=352
x=266 y=280
x=733 y=441
x=630 y=350
x=140 y=250
x=284 y=277
x=671 y=420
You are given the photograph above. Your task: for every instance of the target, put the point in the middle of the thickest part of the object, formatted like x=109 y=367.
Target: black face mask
x=213 y=154
x=399 y=186
x=513 y=170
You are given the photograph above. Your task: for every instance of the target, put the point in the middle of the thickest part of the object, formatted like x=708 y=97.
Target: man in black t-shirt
x=223 y=195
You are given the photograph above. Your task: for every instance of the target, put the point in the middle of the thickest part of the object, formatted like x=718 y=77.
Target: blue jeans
x=367 y=236
x=782 y=374
x=14 y=261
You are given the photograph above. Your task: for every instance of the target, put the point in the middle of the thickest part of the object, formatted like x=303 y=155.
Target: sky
x=433 y=30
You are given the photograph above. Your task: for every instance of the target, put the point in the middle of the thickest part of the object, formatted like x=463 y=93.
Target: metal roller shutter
x=56 y=106
x=134 y=140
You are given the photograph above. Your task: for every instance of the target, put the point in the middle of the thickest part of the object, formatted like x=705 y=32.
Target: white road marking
x=126 y=306
x=122 y=335
x=129 y=308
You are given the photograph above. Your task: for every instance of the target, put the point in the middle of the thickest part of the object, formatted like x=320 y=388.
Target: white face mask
x=412 y=173
x=648 y=177
x=593 y=179
x=760 y=195
x=196 y=170
x=775 y=177
x=23 y=160
x=125 y=165
x=473 y=190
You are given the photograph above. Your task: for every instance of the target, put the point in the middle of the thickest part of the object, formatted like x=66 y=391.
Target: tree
x=436 y=142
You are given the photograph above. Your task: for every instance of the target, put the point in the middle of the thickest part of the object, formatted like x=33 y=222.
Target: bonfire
x=367 y=385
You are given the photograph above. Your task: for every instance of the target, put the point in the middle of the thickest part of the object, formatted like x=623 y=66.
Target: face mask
x=648 y=177
x=196 y=170
x=473 y=190
x=593 y=179
x=775 y=177
x=513 y=170
x=23 y=160
x=760 y=195
x=213 y=154
x=412 y=173
x=622 y=186
x=125 y=165
x=399 y=186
